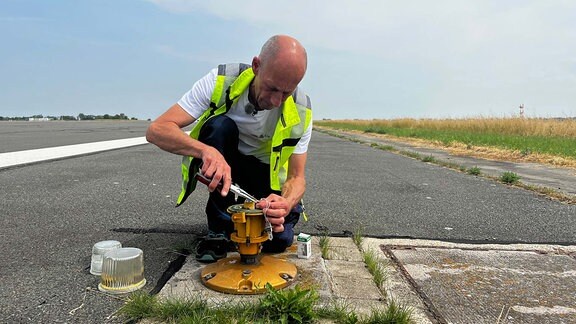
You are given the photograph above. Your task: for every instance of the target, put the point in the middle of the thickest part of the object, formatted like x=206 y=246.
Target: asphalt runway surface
x=19 y=135
x=54 y=211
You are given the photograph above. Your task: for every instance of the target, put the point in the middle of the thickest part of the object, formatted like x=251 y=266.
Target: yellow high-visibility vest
x=296 y=115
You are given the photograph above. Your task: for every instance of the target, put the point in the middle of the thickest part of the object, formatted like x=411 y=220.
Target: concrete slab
x=360 y=289
x=343 y=280
x=343 y=248
x=187 y=283
x=396 y=287
x=348 y=269
x=440 y=282
x=476 y=284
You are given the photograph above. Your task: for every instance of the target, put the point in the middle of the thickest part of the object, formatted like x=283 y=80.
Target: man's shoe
x=212 y=248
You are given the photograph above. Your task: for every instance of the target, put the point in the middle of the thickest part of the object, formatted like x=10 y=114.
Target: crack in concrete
x=433 y=312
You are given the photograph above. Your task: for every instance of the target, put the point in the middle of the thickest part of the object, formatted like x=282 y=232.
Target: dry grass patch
x=546 y=127
x=485 y=152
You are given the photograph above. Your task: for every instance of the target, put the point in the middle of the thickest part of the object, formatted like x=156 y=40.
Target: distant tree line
x=80 y=116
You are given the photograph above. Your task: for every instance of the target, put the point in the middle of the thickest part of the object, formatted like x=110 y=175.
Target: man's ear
x=256 y=65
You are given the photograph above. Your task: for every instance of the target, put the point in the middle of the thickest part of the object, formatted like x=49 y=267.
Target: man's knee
x=220 y=132
x=281 y=241
x=221 y=125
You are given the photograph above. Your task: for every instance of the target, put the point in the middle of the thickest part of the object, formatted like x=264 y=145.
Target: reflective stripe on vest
x=232 y=80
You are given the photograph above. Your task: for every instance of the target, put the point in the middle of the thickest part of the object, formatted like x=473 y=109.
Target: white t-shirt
x=255 y=130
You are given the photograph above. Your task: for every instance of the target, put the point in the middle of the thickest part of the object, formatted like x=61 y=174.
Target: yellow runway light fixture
x=249 y=272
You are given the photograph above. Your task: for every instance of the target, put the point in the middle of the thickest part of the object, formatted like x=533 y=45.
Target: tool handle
x=207 y=181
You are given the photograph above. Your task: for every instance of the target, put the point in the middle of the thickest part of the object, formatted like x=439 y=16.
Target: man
x=253 y=126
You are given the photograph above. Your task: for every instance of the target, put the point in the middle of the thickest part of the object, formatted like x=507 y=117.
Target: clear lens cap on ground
x=122 y=271
x=98 y=251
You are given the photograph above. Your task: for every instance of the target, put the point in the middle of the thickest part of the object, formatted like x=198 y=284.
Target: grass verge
x=524 y=136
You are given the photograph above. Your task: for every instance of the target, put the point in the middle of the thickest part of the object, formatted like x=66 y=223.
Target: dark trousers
x=250 y=174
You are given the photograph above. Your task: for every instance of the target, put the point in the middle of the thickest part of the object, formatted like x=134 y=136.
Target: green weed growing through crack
x=357 y=238
x=411 y=154
x=140 y=305
x=428 y=158
x=509 y=177
x=474 y=171
x=375 y=266
x=394 y=313
x=339 y=311
x=289 y=306
x=324 y=243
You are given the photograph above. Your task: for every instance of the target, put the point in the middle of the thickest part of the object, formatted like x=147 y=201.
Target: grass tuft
x=428 y=158
x=140 y=305
x=386 y=148
x=324 y=243
x=474 y=171
x=174 y=309
x=357 y=238
x=289 y=306
x=411 y=154
x=339 y=311
x=393 y=314
x=509 y=177
x=376 y=267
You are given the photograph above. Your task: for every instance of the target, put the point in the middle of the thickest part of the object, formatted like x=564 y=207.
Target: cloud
x=467 y=51
x=396 y=30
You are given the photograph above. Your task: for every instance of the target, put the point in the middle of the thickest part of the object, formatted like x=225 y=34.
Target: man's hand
x=215 y=167
x=276 y=208
x=166 y=133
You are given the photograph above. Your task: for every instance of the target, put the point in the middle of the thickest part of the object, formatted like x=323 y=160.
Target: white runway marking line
x=44 y=154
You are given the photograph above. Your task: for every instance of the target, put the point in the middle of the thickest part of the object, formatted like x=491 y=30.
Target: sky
x=367 y=59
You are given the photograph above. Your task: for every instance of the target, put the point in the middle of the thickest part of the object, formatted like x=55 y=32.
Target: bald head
x=286 y=49
x=279 y=69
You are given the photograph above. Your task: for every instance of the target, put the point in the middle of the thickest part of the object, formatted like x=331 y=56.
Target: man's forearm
x=293 y=190
x=171 y=138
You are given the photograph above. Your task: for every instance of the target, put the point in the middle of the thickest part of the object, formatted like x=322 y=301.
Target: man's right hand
x=166 y=133
x=215 y=167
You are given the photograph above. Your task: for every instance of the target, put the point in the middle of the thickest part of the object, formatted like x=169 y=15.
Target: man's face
x=271 y=93
x=273 y=84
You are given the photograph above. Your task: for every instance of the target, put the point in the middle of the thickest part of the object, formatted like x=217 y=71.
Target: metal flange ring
x=239 y=208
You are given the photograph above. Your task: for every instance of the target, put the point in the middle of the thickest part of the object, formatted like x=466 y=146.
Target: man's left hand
x=276 y=208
